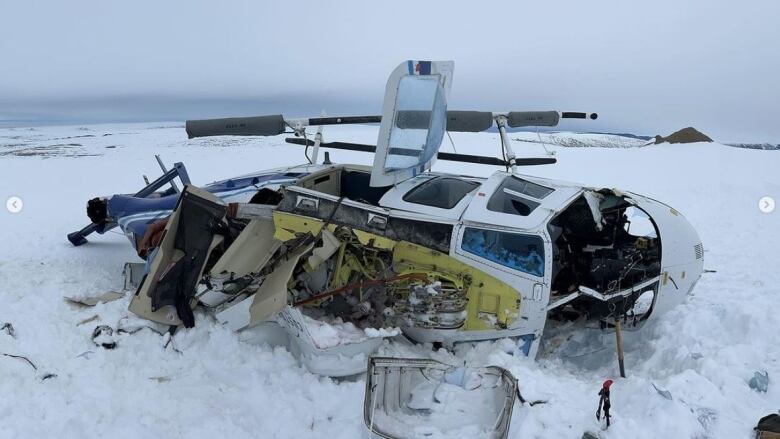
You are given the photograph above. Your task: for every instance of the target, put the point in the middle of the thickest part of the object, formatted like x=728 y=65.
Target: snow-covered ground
x=213 y=385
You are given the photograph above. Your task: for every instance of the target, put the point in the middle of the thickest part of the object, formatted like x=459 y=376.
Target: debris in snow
x=760 y=381
x=414 y=397
x=108 y=296
x=103 y=336
x=45 y=376
x=663 y=392
x=8 y=328
x=21 y=357
x=531 y=403
x=589 y=435
x=161 y=379
x=87 y=320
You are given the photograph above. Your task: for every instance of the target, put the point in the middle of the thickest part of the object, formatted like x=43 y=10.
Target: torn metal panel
x=108 y=296
x=167 y=292
x=133 y=274
x=593 y=199
x=330 y=245
x=250 y=251
x=251 y=211
x=269 y=299
x=407 y=396
x=248 y=254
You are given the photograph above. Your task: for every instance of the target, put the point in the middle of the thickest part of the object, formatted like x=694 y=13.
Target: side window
x=519 y=252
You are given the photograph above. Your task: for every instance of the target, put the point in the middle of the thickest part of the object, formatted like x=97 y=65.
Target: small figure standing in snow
x=604 y=402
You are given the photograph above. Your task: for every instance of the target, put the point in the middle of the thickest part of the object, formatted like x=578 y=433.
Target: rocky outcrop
x=685 y=135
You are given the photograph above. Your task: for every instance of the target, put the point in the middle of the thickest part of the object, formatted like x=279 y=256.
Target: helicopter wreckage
x=332 y=259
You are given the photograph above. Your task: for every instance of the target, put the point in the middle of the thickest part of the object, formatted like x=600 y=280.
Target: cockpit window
x=518 y=252
x=514 y=196
x=441 y=192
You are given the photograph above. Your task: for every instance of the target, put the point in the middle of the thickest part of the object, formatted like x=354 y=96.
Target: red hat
x=606 y=384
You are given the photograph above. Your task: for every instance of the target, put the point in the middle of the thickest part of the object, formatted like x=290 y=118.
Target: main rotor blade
x=460 y=121
x=457 y=121
x=236 y=126
x=517 y=119
x=533 y=119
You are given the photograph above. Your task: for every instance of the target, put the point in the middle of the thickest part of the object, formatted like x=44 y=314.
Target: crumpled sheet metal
x=413 y=397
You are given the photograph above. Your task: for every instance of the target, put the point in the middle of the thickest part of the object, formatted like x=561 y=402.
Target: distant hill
x=685 y=135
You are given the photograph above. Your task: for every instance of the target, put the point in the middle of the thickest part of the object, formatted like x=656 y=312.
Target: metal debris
x=9 y=329
x=103 y=336
x=663 y=392
x=108 y=296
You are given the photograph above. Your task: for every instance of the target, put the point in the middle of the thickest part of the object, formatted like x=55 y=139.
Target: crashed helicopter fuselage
x=371 y=250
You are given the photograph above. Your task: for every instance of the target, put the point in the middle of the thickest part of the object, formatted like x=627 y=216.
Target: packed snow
x=329 y=334
x=688 y=372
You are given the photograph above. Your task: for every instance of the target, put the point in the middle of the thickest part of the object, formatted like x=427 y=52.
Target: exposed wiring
x=306 y=151
x=21 y=357
x=299 y=132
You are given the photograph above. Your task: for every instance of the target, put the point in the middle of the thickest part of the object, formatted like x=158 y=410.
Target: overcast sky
x=645 y=67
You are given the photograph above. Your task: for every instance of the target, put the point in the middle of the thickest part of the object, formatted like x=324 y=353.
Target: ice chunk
x=760 y=381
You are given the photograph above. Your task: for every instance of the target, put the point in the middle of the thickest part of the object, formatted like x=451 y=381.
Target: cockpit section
x=606 y=260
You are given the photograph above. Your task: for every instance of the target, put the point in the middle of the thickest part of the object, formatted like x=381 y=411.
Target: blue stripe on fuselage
x=135 y=214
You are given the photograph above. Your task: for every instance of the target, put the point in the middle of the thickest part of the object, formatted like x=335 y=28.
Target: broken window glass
x=441 y=192
x=513 y=196
x=519 y=252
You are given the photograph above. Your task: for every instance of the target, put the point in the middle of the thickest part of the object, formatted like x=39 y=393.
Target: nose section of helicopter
x=682 y=254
